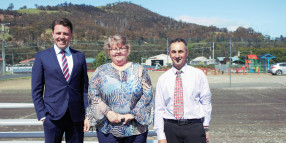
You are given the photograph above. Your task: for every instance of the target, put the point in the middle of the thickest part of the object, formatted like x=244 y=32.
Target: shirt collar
x=58 y=50
x=183 y=69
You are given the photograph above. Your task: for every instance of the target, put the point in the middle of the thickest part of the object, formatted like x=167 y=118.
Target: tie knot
x=178 y=72
x=63 y=52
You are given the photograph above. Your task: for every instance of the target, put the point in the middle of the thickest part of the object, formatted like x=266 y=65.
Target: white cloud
x=220 y=23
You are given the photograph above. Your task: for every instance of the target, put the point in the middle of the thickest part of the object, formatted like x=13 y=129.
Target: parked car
x=278 y=69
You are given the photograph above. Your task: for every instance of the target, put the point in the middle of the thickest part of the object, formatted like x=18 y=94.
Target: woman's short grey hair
x=116 y=39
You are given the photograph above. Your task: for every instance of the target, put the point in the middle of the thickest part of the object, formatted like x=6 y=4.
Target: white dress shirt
x=68 y=56
x=196 y=94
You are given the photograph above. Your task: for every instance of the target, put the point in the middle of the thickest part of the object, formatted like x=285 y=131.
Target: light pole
x=3 y=47
x=230 y=62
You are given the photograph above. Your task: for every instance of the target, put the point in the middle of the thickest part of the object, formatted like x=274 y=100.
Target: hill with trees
x=29 y=31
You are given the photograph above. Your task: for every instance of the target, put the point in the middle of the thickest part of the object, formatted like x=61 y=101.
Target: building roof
x=220 y=59
x=161 y=56
x=252 y=57
x=235 y=58
x=200 y=59
x=27 y=61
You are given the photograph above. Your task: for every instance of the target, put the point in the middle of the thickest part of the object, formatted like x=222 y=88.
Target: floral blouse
x=128 y=91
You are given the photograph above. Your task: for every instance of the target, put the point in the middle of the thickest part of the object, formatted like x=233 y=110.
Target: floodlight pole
x=167 y=51
x=3 y=47
x=230 y=62
x=213 y=51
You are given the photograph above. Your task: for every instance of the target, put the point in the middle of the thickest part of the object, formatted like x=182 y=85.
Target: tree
x=24 y=7
x=99 y=59
x=10 y=7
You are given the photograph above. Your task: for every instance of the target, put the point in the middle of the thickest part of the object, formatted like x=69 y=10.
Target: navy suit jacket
x=52 y=94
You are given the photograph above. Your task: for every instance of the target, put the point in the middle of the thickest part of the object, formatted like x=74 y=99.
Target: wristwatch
x=206 y=129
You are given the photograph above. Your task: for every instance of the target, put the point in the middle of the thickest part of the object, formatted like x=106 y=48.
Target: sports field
x=250 y=109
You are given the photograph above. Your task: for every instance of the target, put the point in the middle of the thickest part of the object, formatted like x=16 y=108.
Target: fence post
x=214 y=71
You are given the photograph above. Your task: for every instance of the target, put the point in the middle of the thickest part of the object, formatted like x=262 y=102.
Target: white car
x=278 y=69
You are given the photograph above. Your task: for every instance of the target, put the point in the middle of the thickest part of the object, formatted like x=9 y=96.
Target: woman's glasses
x=121 y=49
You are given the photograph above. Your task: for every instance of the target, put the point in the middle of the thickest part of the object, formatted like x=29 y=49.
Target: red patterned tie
x=178 y=97
x=65 y=66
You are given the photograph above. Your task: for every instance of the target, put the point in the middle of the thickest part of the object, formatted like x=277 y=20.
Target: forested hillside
x=149 y=32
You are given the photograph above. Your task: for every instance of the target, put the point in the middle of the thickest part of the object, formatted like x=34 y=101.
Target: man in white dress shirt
x=195 y=102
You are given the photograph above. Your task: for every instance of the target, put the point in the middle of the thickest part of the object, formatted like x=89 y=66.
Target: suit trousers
x=187 y=133
x=54 y=130
x=109 y=138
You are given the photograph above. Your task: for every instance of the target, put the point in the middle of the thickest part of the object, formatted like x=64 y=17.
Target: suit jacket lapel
x=75 y=63
x=56 y=63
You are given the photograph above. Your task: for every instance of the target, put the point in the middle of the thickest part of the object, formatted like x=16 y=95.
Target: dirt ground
x=246 y=108
x=215 y=81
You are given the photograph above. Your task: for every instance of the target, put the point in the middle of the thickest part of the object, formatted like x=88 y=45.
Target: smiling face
x=62 y=36
x=178 y=54
x=118 y=54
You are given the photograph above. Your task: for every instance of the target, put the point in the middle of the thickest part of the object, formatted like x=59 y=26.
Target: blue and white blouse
x=127 y=91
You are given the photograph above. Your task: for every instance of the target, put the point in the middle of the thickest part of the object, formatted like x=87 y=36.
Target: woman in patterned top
x=120 y=97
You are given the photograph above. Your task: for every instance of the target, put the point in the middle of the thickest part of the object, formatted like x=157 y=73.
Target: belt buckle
x=182 y=122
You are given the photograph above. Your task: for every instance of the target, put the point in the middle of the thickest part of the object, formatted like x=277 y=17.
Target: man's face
x=62 y=36
x=178 y=54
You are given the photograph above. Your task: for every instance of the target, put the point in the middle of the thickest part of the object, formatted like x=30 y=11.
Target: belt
x=184 y=121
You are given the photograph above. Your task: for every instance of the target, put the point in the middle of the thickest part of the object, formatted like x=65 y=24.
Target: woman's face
x=118 y=54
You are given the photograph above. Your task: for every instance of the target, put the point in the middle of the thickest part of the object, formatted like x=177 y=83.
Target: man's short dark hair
x=179 y=40
x=62 y=21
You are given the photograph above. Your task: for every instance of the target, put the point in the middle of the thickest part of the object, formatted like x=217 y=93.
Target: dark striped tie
x=65 y=66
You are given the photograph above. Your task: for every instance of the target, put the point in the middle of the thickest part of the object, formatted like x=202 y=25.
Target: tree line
x=29 y=31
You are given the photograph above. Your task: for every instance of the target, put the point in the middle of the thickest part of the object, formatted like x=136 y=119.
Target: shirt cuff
x=42 y=118
x=206 y=122
x=161 y=134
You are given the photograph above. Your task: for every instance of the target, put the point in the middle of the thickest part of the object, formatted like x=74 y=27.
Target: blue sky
x=265 y=16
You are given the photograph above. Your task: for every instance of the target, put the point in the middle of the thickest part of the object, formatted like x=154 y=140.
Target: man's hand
x=207 y=133
x=162 y=141
x=86 y=124
x=112 y=117
x=207 y=137
x=43 y=119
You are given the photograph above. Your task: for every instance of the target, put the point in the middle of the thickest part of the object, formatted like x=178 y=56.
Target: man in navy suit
x=59 y=87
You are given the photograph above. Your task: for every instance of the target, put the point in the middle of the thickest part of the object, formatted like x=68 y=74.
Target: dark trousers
x=187 y=133
x=109 y=138
x=54 y=130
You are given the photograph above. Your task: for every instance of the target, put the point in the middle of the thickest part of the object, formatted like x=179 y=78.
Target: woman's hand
x=112 y=117
x=126 y=118
x=86 y=124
